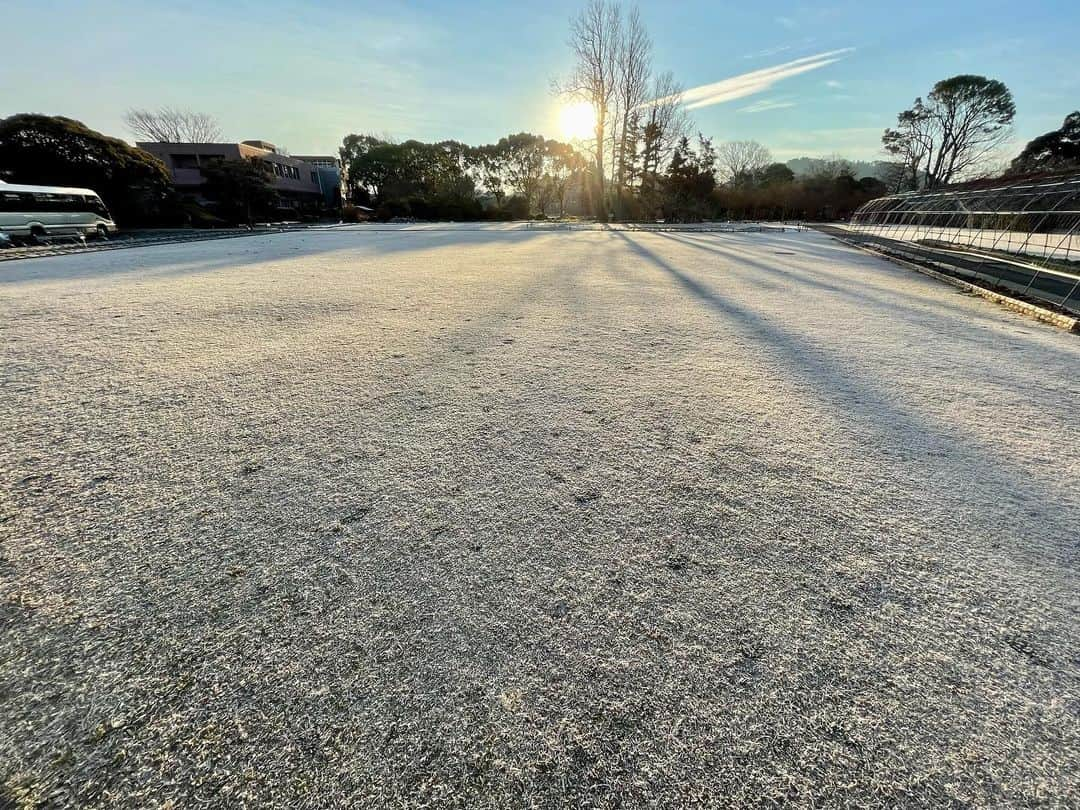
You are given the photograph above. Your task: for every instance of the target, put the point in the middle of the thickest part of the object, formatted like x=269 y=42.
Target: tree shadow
x=838 y=382
x=921 y=312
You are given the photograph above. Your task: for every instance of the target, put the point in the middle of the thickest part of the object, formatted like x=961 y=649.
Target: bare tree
x=172 y=126
x=595 y=35
x=911 y=144
x=741 y=159
x=664 y=124
x=634 y=66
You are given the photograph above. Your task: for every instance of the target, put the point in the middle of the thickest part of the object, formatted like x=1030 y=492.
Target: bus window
x=12 y=201
x=94 y=203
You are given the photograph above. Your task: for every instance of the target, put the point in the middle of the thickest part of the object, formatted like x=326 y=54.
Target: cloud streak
x=754 y=82
x=768 y=52
x=767 y=104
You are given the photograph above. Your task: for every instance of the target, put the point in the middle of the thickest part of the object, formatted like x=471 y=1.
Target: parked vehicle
x=36 y=213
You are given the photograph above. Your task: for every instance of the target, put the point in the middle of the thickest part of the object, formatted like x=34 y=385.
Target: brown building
x=298 y=184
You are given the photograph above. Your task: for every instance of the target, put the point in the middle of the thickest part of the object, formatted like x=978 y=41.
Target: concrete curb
x=1066 y=322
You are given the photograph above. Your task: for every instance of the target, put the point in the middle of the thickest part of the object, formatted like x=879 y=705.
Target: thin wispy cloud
x=834 y=83
x=768 y=52
x=767 y=104
x=754 y=82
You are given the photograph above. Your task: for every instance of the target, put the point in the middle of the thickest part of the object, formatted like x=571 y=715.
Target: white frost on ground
x=496 y=517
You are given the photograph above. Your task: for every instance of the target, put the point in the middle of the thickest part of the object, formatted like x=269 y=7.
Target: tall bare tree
x=664 y=123
x=740 y=160
x=595 y=35
x=634 y=69
x=172 y=125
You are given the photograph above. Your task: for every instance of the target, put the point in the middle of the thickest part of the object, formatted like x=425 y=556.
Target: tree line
x=521 y=175
x=526 y=175
x=641 y=162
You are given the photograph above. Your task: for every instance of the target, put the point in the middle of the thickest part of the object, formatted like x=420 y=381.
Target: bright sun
x=577 y=121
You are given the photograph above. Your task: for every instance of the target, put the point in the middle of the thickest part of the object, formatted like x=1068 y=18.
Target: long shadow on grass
x=804 y=276
x=925 y=313
x=844 y=389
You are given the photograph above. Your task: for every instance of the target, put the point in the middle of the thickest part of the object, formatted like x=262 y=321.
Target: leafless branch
x=172 y=126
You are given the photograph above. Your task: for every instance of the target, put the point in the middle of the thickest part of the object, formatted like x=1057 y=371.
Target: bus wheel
x=38 y=236
x=102 y=233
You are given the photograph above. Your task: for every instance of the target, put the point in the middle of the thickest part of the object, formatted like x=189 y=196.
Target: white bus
x=36 y=213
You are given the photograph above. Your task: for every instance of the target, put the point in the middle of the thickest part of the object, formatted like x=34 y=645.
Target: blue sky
x=304 y=74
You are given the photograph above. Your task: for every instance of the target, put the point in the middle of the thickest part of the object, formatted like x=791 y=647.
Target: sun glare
x=577 y=121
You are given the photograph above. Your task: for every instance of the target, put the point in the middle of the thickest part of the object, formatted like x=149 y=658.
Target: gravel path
x=498 y=518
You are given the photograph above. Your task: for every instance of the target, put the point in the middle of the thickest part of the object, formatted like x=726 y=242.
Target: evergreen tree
x=57 y=151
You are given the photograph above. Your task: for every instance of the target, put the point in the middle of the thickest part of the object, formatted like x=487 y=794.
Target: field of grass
x=485 y=517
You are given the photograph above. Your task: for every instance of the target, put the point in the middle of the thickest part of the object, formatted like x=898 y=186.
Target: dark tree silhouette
x=46 y=150
x=690 y=181
x=241 y=189
x=596 y=40
x=1056 y=150
x=775 y=174
x=963 y=122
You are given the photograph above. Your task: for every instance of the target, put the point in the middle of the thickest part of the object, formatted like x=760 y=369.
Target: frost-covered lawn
x=489 y=518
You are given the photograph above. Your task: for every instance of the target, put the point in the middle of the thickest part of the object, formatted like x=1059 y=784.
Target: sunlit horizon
x=436 y=72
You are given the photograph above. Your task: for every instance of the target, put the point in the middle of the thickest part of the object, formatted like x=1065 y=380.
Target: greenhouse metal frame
x=1023 y=235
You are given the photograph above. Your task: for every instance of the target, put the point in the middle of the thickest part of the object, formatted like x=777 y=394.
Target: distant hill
x=863 y=168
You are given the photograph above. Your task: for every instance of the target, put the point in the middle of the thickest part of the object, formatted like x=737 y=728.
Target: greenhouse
x=1023 y=235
